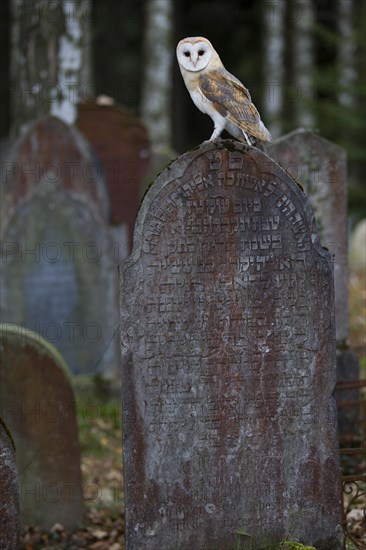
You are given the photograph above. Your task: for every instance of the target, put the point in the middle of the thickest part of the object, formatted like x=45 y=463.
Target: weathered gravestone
x=9 y=493
x=321 y=167
x=228 y=354
x=38 y=405
x=59 y=275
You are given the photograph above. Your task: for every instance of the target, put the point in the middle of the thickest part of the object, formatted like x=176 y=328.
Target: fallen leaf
x=99 y=534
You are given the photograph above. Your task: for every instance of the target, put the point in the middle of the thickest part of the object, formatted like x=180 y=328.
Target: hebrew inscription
x=228 y=360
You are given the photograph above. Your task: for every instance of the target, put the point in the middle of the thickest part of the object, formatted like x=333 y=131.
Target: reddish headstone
x=121 y=142
x=51 y=152
x=37 y=403
x=9 y=493
x=321 y=167
x=228 y=345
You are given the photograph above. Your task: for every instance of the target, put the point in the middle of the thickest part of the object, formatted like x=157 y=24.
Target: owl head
x=194 y=53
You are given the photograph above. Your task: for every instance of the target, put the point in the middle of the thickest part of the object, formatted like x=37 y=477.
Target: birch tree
x=303 y=61
x=50 y=59
x=274 y=44
x=157 y=79
x=346 y=53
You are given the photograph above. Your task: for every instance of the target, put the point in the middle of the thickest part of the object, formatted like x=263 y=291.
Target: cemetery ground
x=99 y=419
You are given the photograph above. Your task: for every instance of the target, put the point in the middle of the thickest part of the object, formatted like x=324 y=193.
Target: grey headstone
x=59 y=279
x=37 y=403
x=321 y=167
x=9 y=493
x=228 y=355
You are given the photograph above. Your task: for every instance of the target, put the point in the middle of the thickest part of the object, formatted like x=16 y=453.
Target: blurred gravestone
x=228 y=353
x=9 y=493
x=120 y=140
x=37 y=403
x=321 y=167
x=52 y=152
x=58 y=267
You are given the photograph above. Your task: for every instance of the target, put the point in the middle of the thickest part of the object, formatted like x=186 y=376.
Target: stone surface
x=121 y=142
x=58 y=258
x=37 y=403
x=9 y=493
x=228 y=355
x=321 y=167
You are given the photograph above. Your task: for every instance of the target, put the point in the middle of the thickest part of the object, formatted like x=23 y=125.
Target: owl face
x=194 y=54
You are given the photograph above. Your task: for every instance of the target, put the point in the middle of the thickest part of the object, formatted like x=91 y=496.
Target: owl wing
x=232 y=100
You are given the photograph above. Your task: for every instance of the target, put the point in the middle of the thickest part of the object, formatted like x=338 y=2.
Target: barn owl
x=218 y=93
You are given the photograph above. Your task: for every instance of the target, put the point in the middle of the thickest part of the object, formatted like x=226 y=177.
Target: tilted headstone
x=37 y=403
x=59 y=269
x=228 y=355
x=321 y=167
x=9 y=493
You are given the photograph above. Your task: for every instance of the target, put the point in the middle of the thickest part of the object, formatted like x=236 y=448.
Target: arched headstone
x=228 y=346
x=37 y=402
x=51 y=151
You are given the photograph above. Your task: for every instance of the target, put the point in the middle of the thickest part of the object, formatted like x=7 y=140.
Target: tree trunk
x=303 y=62
x=157 y=83
x=273 y=13
x=346 y=53
x=50 y=59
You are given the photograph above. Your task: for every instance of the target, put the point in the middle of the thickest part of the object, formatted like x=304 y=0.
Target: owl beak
x=195 y=60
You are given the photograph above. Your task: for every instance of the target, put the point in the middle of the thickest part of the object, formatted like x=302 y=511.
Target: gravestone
x=321 y=167
x=59 y=275
x=121 y=142
x=51 y=151
x=228 y=356
x=9 y=493
x=37 y=403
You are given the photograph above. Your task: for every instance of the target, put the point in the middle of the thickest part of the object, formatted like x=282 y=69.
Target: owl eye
x=201 y=52
x=187 y=54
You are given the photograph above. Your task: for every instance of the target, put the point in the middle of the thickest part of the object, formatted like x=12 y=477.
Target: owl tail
x=265 y=133
x=260 y=134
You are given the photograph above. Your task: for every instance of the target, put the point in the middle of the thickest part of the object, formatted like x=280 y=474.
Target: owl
x=218 y=93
